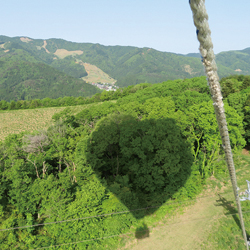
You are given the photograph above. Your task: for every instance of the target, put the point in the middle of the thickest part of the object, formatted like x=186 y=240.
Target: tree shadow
x=143 y=162
x=229 y=206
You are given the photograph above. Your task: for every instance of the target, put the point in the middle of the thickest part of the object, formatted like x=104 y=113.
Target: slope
x=208 y=224
x=237 y=60
x=126 y=64
x=185 y=231
x=23 y=75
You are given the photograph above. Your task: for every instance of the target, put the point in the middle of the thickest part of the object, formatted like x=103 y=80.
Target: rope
x=203 y=32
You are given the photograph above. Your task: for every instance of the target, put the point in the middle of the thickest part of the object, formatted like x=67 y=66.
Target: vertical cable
x=203 y=32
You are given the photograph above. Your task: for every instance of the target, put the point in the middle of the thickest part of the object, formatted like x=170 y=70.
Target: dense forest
x=141 y=146
x=22 y=77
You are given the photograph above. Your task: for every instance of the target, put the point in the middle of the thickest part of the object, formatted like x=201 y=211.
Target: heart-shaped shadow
x=150 y=158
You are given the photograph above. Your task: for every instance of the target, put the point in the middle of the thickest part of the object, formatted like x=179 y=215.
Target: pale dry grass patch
x=25 y=39
x=17 y=121
x=44 y=46
x=61 y=53
x=96 y=75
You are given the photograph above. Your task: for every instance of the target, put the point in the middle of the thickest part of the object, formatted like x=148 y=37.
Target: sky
x=165 y=25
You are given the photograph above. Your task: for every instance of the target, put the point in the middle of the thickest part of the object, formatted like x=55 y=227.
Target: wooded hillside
x=156 y=144
x=128 y=65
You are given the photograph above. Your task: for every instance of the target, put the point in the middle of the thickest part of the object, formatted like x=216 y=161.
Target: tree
x=35 y=145
x=4 y=105
x=34 y=104
x=150 y=152
x=229 y=86
x=205 y=136
x=246 y=82
x=12 y=105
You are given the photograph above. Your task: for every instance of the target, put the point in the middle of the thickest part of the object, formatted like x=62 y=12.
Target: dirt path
x=194 y=228
x=185 y=232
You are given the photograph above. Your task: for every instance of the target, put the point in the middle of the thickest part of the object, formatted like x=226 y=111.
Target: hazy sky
x=165 y=25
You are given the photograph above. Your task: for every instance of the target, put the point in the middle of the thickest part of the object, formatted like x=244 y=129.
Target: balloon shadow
x=142 y=232
x=143 y=162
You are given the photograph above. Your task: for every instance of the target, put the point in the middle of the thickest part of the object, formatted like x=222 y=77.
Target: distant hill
x=238 y=60
x=126 y=65
x=197 y=55
x=25 y=76
x=25 y=81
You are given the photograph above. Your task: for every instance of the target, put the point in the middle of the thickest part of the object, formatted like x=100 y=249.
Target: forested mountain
x=238 y=60
x=128 y=65
x=26 y=81
x=25 y=76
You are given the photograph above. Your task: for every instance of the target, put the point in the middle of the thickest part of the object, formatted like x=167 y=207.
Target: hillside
x=124 y=64
x=25 y=76
x=25 y=81
x=237 y=60
x=208 y=224
x=111 y=169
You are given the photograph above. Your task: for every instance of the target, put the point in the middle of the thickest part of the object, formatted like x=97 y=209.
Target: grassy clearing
x=226 y=232
x=207 y=223
x=96 y=75
x=16 y=121
x=184 y=228
x=62 y=53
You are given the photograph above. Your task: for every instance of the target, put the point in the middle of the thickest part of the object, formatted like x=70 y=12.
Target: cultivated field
x=16 y=121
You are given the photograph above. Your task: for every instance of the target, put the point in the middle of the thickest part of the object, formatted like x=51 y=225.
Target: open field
x=62 y=53
x=96 y=75
x=210 y=223
x=25 y=39
x=16 y=121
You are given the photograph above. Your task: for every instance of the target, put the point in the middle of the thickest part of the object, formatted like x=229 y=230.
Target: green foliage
x=226 y=232
x=150 y=153
x=246 y=83
x=25 y=81
x=69 y=66
x=235 y=60
x=246 y=110
x=234 y=83
x=229 y=86
x=128 y=65
x=237 y=100
x=156 y=144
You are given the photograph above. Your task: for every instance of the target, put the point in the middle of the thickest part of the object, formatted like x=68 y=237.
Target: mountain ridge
x=128 y=65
